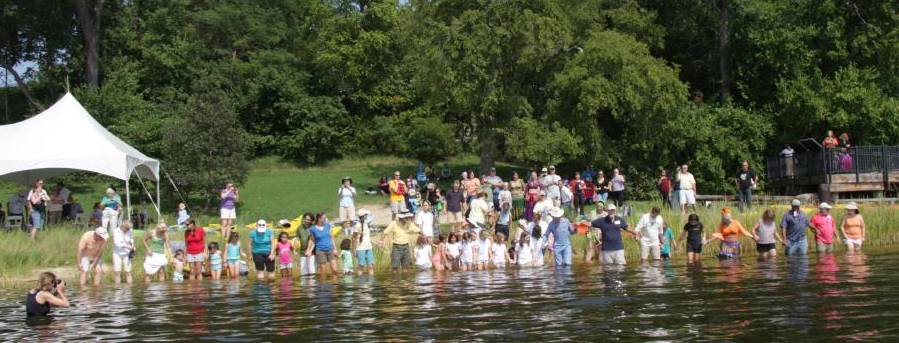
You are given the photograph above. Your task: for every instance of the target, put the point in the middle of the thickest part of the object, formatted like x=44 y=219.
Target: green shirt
x=303 y=235
x=346 y=259
x=157 y=245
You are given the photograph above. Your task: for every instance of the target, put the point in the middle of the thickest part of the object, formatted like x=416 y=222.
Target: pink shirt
x=284 y=253
x=824 y=228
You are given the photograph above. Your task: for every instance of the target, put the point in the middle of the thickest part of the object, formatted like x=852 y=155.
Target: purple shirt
x=228 y=201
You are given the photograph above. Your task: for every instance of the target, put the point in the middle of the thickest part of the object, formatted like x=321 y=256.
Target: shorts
x=233 y=261
x=228 y=213
x=365 y=257
x=853 y=242
x=284 y=266
x=687 y=197
x=455 y=217
x=653 y=250
x=196 y=258
x=694 y=247
x=760 y=247
x=262 y=262
x=347 y=214
x=86 y=264
x=397 y=206
x=322 y=257
x=824 y=248
x=399 y=256
x=120 y=263
x=215 y=267
x=613 y=257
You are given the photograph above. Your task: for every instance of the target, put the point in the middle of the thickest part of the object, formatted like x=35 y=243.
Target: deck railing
x=814 y=165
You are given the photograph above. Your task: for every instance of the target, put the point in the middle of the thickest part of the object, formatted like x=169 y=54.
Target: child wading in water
x=667 y=240
x=524 y=253
x=438 y=260
x=215 y=261
x=178 y=264
x=423 y=253
x=469 y=249
x=346 y=256
x=285 y=254
x=483 y=247
x=234 y=253
x=453 y=251
x=499 y=251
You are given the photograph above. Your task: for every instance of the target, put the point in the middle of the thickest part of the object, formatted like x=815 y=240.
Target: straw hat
x=852 y=206
x=825 y=206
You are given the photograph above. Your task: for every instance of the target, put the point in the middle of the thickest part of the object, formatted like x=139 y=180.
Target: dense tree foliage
x=605 y=83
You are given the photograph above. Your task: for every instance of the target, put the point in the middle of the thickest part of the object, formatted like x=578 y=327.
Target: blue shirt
x=611 y=232
x=322 y=237
x=668 y=237
x=795 y=225
x=262 y=242
x=561 y=229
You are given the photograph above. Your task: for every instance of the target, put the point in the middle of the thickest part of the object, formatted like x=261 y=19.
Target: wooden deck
x=860 y=169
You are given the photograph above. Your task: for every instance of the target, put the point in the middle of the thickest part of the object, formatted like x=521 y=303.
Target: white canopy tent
x=66 y=138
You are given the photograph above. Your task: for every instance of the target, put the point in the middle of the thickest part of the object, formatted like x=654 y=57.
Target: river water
x=835 y=297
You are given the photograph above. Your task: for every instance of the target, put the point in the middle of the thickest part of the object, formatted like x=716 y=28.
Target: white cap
x=611 y=207
x=101 y=231
x=825 y=206
x=852 y=206
x=544 y=170
x=556 y=212
x=405 y=214
x=363 y=212
x=796 y=202
x=283 y=222
x=523 y=222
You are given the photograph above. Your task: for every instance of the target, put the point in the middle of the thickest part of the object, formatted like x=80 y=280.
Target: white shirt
x=425 y=221
x=551 y=183
x=122 y=241
x=499 y=253
x=566 y=195
x=346 y=194
x=479 y=210
x=423 y=255
x=454 y=249
x=505 y=197
x=364 y=230
x=494 y=181
x=686 y=181
x=649 y=230
x=525 y=255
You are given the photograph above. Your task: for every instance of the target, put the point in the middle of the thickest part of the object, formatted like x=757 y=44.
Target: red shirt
x=665 y=185
x=590 y=190
x=196 y=242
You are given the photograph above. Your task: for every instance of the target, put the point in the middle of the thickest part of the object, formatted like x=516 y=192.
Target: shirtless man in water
x=90 y=249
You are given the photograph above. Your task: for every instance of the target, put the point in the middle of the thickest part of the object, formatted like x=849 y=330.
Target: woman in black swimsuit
x=49 y=293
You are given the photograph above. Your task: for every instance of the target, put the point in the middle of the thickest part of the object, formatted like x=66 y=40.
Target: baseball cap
x=796 y=202
x=611 y=207
x=284 y=223
x=825 y=206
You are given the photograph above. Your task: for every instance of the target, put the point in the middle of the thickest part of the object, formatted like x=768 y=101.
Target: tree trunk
x=23 y=87
x=724 y=47
x=487 y=142
x=88 y=15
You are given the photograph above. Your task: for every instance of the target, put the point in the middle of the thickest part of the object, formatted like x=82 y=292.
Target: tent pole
x=158 y=204
x=127 y=199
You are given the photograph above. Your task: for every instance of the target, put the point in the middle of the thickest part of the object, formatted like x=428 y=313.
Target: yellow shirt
x=394 y=191
x=401 y=232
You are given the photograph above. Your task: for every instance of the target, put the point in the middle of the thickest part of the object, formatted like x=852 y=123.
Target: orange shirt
x=735 y=228
x=854 y=227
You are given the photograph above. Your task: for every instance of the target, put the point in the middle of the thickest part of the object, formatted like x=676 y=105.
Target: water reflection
x=846 y=297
